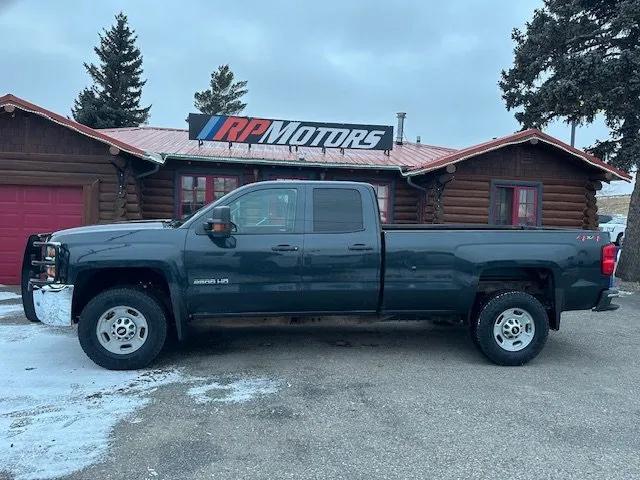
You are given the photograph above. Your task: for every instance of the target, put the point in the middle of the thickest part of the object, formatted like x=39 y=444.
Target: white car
x=615 y=225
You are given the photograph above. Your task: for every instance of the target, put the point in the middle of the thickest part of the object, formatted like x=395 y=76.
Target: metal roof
x=156 y=144
x=175 y=143
x=410 y=158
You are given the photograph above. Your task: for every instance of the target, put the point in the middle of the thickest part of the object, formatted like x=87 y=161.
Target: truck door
x=258 y=268
x=342 y=252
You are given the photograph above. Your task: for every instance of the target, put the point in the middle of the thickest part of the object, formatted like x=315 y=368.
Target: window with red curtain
x=198 y=190
x=515 y=204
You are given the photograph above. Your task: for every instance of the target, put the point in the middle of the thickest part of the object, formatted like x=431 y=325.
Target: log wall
x=568 y=186
x=35 y=151
x=159 y=195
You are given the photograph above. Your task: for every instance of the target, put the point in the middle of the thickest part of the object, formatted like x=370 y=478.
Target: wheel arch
x=89 y=282
x=536 y=280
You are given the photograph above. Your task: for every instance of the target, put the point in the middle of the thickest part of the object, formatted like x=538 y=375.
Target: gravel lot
x=398 y=400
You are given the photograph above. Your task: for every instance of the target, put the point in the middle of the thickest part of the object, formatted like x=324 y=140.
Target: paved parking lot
x=402 y=400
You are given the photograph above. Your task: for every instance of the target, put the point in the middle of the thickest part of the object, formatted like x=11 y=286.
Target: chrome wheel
x=122 y=330
x=514 y=329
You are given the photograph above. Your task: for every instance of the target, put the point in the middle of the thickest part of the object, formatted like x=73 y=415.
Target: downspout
x=158 y=160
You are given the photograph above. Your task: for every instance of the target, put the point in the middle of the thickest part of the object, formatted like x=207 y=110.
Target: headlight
x=51 y=272
x=50 y=255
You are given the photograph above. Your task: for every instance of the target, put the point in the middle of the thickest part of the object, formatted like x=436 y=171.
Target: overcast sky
x=333 y=60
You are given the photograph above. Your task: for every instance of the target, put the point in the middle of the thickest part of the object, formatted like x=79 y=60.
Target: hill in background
x=618 y=204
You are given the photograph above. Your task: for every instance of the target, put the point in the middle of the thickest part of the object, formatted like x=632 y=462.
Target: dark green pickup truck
x=297 y=248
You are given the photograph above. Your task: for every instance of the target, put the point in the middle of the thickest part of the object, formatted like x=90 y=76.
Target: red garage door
x=25 y=210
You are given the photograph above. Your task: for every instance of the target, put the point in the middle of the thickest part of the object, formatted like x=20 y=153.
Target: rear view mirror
x=219 y=225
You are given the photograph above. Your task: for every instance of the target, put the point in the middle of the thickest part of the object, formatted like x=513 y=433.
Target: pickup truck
x=304 y=248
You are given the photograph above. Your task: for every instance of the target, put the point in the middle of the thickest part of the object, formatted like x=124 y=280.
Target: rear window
x=337 y=210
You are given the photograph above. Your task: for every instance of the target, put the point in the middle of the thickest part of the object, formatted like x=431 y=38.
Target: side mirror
x=219 y=225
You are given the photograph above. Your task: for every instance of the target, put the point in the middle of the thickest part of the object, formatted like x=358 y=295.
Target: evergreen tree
x=114 y=98
x=578 y=59
x=223 y=95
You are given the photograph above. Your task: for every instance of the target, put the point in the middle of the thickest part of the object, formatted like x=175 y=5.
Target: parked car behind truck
x=615 y=226
x=302 y=248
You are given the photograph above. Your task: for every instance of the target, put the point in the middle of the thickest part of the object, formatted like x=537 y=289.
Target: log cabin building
x=56 y=173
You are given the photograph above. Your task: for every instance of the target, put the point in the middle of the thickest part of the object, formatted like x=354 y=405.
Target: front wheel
x=511 y=328
x=122 y=329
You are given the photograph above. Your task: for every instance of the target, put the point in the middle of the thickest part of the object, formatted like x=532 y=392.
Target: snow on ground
x=58 y=409
x=9 y=296
x=11 y=309
x=235 y=391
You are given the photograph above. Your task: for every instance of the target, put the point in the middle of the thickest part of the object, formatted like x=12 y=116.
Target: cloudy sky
x=334 y=60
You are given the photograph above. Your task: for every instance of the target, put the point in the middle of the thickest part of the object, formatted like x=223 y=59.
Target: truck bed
x=440 y=267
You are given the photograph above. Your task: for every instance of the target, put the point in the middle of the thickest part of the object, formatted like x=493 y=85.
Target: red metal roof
x=175 y=143
x=411 y=158
x=149 y=143
x=73 y=125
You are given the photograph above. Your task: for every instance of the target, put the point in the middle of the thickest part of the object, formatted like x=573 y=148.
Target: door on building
x=29 y=209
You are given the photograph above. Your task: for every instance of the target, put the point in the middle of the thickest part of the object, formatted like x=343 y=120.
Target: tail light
x=608 y=259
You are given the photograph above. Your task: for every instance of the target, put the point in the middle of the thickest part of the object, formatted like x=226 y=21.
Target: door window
x=265 y=211
x=337 y=210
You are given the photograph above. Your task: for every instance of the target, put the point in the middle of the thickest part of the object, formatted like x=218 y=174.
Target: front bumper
x=604 y=303
x=52 y=304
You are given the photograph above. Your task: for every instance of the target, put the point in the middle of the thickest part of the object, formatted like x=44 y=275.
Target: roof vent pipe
x=418 y=139
x=400 y=134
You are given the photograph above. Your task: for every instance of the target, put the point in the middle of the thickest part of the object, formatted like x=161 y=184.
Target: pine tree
x=223 y=95
x=114 y=98
x=576 y=60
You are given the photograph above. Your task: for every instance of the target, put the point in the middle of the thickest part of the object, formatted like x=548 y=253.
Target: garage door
x=25 y=210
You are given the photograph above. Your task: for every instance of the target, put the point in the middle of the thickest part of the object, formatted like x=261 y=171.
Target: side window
x=265 y=211
x=337 y=210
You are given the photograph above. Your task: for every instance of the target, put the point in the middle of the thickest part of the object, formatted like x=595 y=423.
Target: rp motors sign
x=223 y=128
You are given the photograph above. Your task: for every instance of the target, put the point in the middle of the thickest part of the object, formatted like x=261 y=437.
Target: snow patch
x=58 y=409
x=235 y=391
x=9 y=296
x=7 y=310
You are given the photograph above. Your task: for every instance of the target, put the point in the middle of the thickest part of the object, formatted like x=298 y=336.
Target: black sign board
x=224 y=128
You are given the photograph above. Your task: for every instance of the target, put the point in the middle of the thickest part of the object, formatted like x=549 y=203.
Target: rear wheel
x=123 y=328
x=511 y=328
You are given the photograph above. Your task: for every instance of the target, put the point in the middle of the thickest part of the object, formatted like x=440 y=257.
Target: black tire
x=482 y=327
x=134 y=297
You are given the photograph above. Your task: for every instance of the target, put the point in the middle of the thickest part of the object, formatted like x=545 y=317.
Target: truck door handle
x=360 y=247
x=284 y=248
